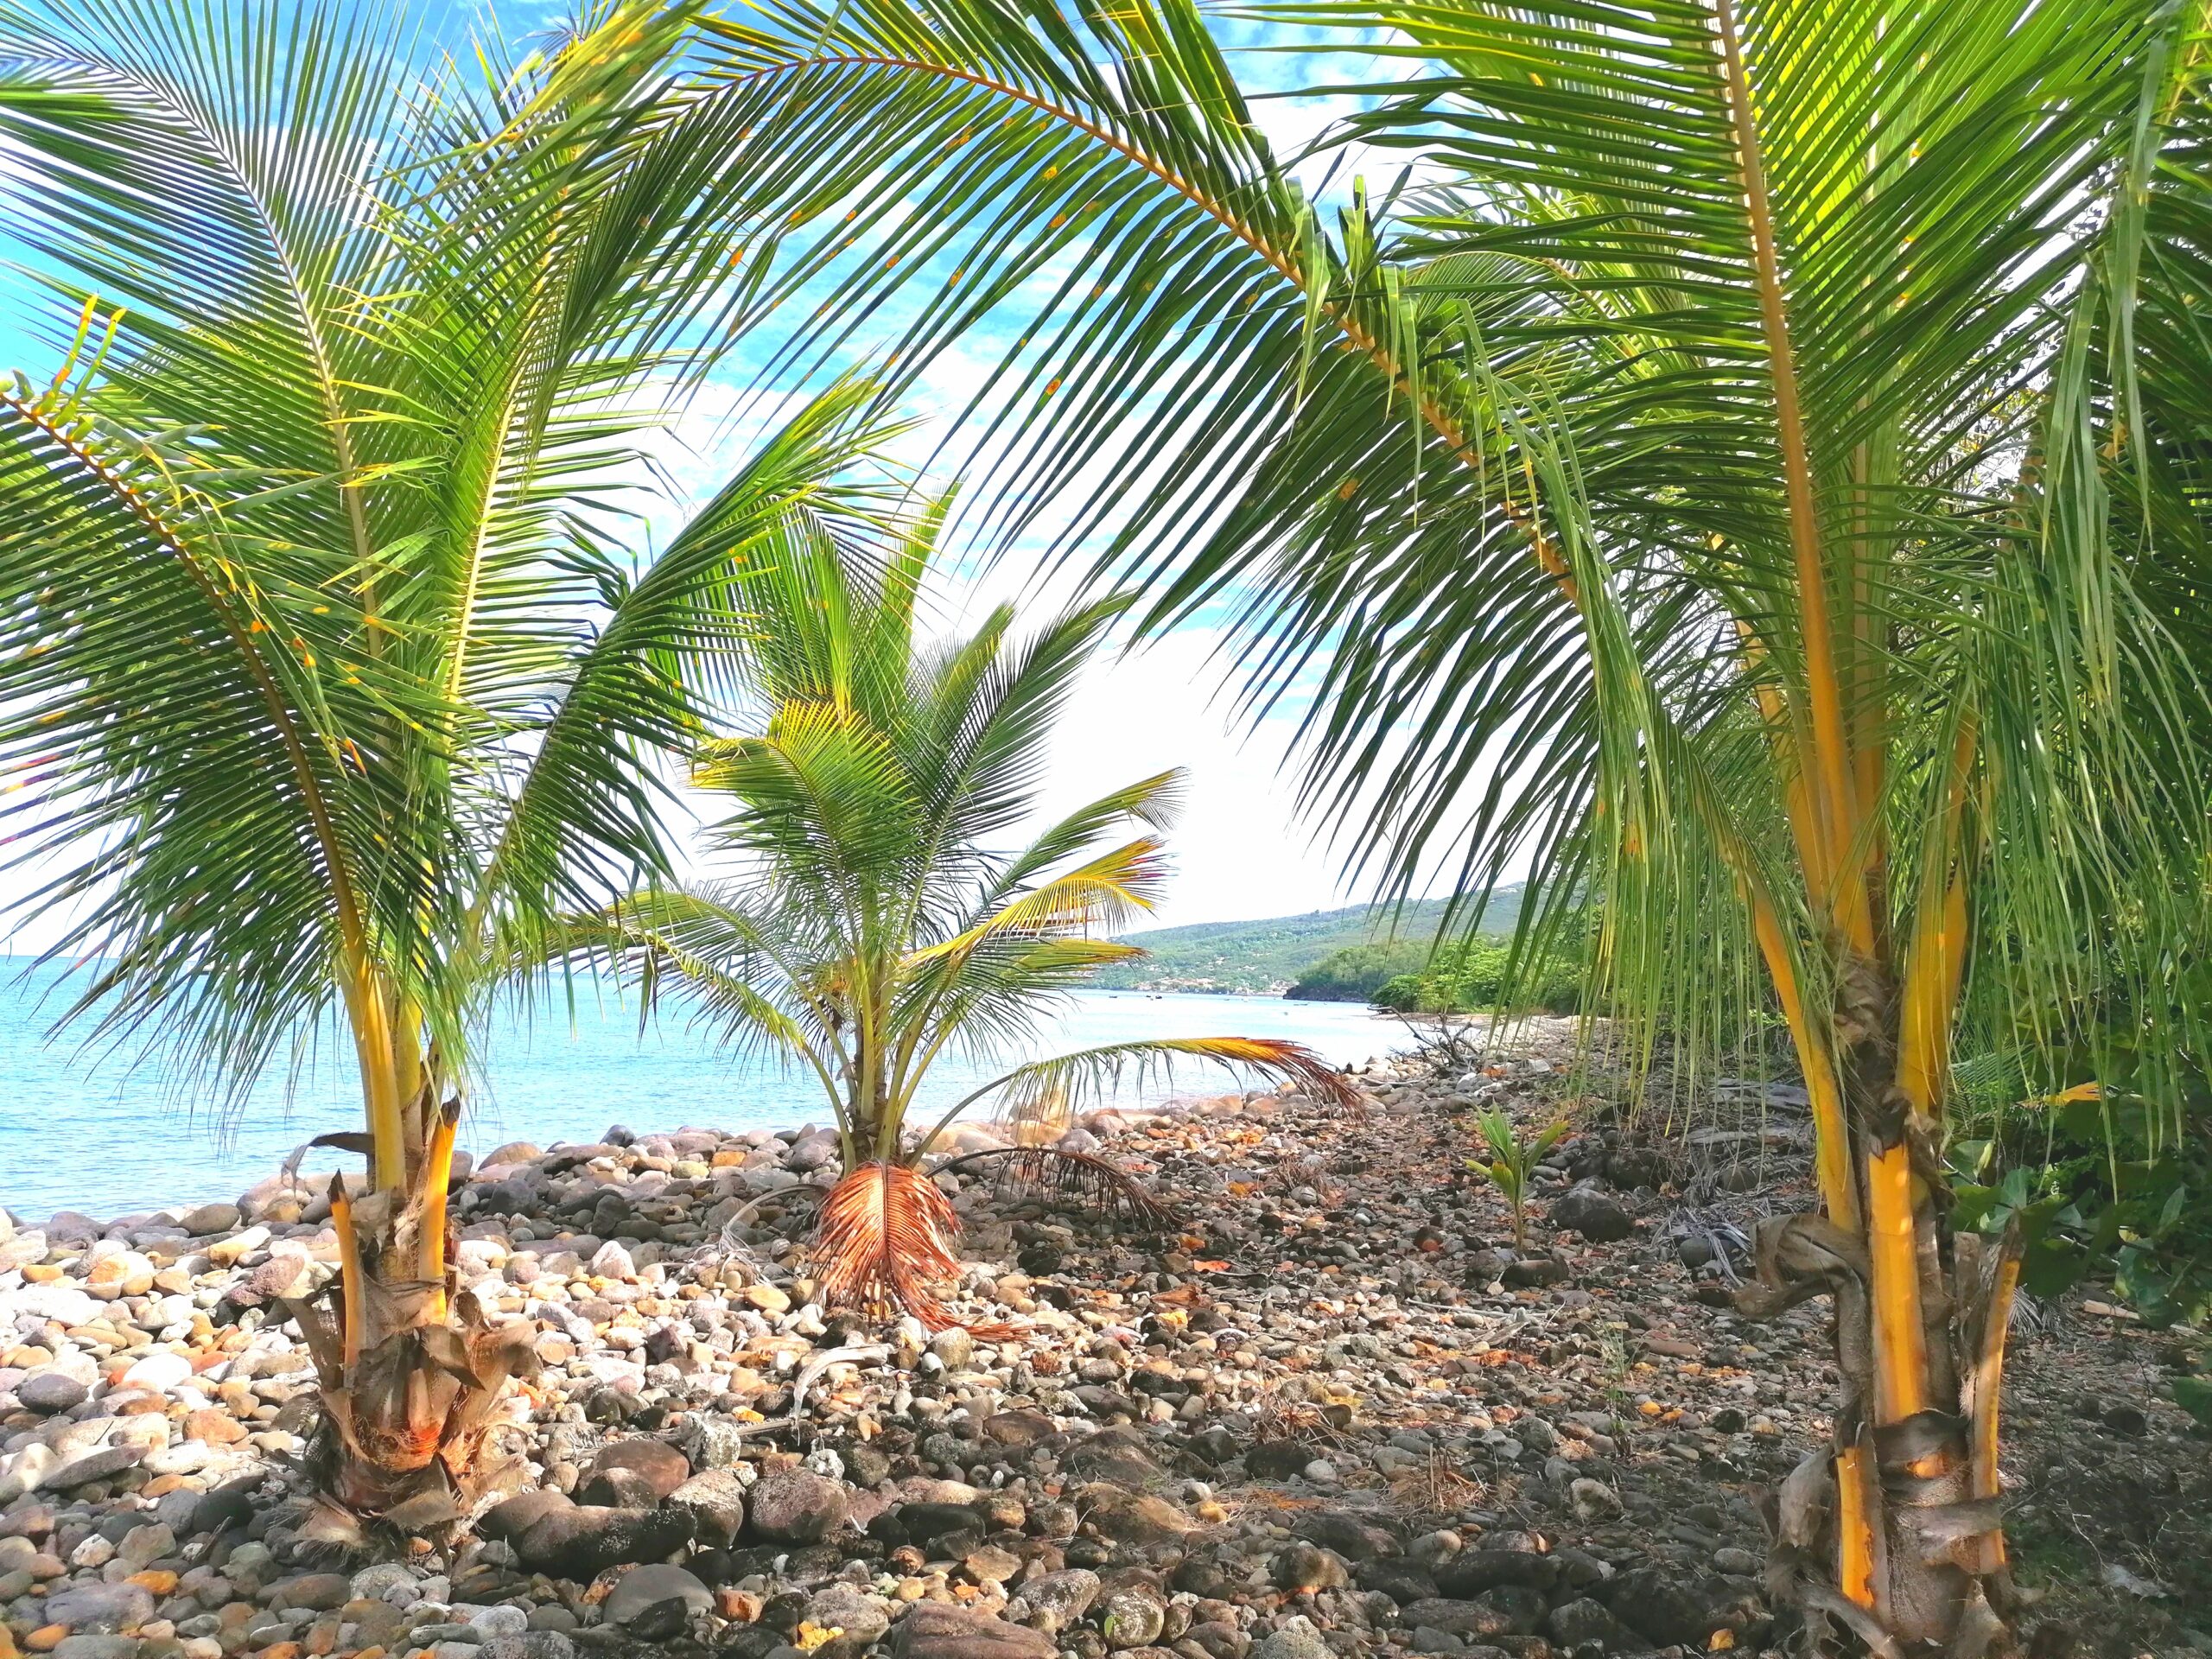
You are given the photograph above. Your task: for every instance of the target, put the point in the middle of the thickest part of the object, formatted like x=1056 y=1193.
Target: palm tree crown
x=320 y=643
x=882 y=909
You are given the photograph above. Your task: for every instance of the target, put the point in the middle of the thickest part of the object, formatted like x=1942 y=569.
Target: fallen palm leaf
x=1080 y=1179
x=885 y=1241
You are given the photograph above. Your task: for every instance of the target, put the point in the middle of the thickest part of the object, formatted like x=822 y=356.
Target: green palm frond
x=1723 y=402
x=332 y=674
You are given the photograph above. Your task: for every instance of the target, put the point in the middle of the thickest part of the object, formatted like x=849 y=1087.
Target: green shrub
x=1477 y=981
x=1356 y=972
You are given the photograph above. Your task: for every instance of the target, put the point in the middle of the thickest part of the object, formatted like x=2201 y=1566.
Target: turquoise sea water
x=91 y=1131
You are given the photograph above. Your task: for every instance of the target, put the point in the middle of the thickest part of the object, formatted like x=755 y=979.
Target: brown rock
x=1125 y=1518
x=654 y=1466
x=935 y=1629
x=794 y=1506
x=214 y=1426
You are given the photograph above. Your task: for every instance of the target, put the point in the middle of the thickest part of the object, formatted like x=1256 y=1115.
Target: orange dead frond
x=885 y=1236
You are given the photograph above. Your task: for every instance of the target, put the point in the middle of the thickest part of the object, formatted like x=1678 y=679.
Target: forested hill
x=1262 y=957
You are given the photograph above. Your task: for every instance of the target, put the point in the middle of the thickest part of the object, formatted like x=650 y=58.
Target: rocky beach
x=1327 y=1408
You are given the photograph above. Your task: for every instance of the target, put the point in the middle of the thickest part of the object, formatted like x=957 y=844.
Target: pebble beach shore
x=1329 y=1410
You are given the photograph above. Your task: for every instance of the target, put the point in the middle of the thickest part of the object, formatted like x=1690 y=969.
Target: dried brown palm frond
x=1434 y=1488
x=884 y=1240
x=1081 y=1180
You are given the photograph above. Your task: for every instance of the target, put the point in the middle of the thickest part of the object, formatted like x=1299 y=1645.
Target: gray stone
x=23 y=1250
x=955 y=1346
x=511 y=1517
x=444 y=1633
x=99 y=1609
x=99 y=1464
x=142 y=1546
x=50 y=1391
x=582 y=1542
x=531 y=1644
x=1119 y=1456
x=1297 y=1639
x=715 y=1500
x=319 y=1592
x=250 y=1567
x=1574 y=1622
x=794 y=1506
x=655 y=1603
x=1585 y=1210
x=96 y=1647
x=711 y=1442
x=1131 y=1617
x=1456 y=1618
x=210 y=1218
x=1058 y=1600
x=378 y=1583
x=1126 y=1517
x=1652 y=1600
x=1472 y=1571
x=1350 y=1536
x=847 y=1608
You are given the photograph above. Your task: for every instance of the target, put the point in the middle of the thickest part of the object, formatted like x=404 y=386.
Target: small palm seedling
x=1511 y=1161
x=874 y=920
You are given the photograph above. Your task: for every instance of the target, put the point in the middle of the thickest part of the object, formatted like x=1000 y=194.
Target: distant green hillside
x=1263 y=957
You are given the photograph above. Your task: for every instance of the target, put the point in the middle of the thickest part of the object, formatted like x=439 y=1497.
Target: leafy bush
x=1478 y=979
x=2098 y=1184
x=1356 y=972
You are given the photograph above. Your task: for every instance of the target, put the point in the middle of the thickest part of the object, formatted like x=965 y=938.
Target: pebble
x=1306 y=1421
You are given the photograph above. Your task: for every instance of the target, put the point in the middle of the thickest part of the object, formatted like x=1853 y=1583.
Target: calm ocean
x=85 y=1129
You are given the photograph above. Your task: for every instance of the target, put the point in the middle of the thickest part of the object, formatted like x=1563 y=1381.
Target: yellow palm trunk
x=1913 y=1553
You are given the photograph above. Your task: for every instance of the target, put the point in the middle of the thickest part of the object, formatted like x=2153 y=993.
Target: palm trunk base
x=1891 y=1540
x=411 y=1371
x=408 y=1440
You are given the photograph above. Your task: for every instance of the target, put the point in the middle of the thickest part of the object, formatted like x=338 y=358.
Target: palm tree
x=880 y=916
x=326 y=682
x=1717 y=474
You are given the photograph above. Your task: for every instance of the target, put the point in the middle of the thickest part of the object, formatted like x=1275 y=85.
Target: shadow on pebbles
x=1332 y=1410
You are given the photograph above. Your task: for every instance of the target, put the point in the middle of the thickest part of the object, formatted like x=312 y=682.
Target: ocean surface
x=101 y=1130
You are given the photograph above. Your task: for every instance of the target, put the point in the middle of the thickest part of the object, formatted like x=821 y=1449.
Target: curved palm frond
x=1058 y=1174
x=1096 y=1072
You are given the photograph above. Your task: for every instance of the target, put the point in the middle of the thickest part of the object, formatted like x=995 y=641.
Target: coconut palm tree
x=328 y=682
x=1717 y=472
x=891 y=901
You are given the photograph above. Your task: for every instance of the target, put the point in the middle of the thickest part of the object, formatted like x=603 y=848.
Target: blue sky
x=1241 y=850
